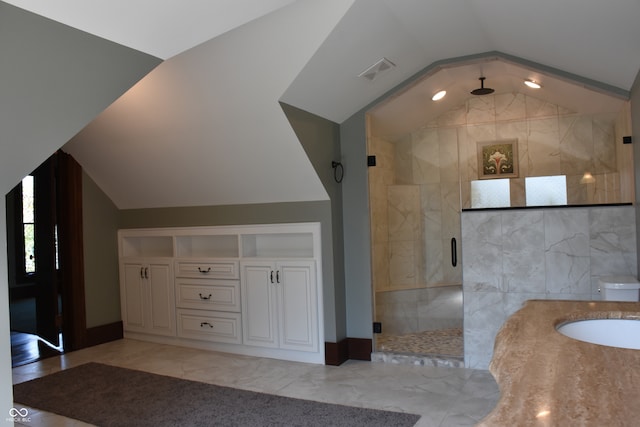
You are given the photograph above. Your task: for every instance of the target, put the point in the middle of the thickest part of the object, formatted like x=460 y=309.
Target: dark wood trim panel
x=360 y=348
x=71 y=254
x=336 y=354
x=105 y=333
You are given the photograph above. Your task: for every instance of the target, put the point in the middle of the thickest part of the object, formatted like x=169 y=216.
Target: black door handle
x=454 y=252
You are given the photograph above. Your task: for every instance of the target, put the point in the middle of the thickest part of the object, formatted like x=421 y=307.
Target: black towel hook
x=337 y=175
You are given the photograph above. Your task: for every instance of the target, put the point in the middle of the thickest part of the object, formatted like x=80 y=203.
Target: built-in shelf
x=211 y=246
x=245 y=289
x=220 y=242
x=147 y=246
x=277 y=245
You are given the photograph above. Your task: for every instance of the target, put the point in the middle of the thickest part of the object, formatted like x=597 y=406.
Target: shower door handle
x=454 y=252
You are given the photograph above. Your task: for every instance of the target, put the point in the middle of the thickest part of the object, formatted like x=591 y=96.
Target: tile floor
x=440 y=342
x=442 y=396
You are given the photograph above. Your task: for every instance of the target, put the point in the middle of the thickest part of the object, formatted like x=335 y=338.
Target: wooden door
x=56 y=280
x=48 y=306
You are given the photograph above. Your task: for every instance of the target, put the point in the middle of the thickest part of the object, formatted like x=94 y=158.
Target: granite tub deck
x=548 y=379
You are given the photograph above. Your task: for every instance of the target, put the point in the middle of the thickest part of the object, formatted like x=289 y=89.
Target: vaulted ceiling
x=205 y=127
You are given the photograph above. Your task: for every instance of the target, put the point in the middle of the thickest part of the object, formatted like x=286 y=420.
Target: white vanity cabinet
x=253 y=289
x=146 y=285
x=279 y=304
x=208 y=300
x=147 y=296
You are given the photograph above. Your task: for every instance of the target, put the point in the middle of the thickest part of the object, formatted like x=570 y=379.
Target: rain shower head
x=482 y=90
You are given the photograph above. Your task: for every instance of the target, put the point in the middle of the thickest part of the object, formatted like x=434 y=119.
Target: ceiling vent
x=376 y=69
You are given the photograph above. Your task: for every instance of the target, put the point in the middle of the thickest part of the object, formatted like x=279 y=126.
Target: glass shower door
x=414 y=193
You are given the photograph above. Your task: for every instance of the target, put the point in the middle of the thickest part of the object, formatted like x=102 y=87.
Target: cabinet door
x=133 y=296
x=161 y=298
x=298 y=317
x=259 y=314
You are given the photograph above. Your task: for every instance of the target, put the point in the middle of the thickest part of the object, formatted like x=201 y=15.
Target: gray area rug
x=111 y=396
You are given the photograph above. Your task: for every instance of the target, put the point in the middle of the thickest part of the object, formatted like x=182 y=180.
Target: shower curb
x=405 y=359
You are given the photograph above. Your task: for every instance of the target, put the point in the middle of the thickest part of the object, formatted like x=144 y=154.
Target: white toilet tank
x=619 y=288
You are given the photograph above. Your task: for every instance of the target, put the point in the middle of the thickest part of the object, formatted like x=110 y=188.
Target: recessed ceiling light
x=532 y=84
x=439 y=95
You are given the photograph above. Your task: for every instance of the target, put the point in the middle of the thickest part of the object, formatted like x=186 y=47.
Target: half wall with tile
x=510 y=256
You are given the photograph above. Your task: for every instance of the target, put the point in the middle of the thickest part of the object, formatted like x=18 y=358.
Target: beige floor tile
x=443 y=396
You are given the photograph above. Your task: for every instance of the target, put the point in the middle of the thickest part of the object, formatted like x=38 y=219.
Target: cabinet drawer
x=210 y=326
x=207 y=269
x=208 y=294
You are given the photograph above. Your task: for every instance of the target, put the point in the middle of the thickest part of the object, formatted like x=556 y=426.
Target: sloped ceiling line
x=162 y=28
x=230 y=142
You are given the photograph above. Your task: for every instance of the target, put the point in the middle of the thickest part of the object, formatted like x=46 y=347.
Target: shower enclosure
x=414 y=195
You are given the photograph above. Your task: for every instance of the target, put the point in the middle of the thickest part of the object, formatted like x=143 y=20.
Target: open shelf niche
x=208 y=246
x=147 y=246
x=277 y=245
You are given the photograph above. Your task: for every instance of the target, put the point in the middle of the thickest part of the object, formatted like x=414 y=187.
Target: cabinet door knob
x=205 y=298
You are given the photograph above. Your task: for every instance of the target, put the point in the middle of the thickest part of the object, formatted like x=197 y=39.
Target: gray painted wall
x=100 y=224
x=320 y=139
x=55 y=79
x=6 y=379
x=357 y=236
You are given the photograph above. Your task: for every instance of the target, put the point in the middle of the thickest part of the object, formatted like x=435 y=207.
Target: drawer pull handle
x=207 y=324
x=204 y=271
x=205 y=298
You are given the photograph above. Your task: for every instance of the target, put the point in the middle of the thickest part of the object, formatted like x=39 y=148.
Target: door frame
x=64 y=180
x=71 y=251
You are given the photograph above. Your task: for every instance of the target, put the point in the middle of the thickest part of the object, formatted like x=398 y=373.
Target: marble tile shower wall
x=552 y=140
x=423 y=178
x=513 y=256
x=416 y=310
x=415 y=203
